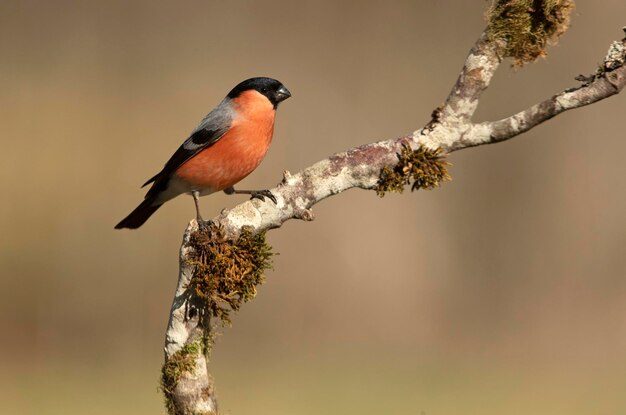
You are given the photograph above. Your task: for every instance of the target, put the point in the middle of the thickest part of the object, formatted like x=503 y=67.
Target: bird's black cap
x=274 y=90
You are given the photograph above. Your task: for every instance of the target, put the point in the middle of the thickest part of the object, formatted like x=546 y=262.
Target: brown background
x=502 y=292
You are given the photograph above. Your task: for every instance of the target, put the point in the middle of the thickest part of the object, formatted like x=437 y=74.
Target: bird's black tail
x=138 y=216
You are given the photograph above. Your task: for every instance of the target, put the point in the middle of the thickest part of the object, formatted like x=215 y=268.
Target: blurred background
x=504 y=291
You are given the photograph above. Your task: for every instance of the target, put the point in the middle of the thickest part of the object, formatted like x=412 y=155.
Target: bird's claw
x=203 y=224
x=262 y=194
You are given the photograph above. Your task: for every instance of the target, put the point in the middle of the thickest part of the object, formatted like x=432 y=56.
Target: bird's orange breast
x=239 y=151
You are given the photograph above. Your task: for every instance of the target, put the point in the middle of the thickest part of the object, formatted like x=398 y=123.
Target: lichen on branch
x=226 y=272
x=527 y=26
x=425 y=168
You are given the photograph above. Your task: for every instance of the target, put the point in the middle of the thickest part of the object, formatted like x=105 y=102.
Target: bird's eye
x=264 y=90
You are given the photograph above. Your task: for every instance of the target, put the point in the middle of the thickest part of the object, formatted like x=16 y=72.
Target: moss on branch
x=226 y=273
x=180 y=362
x=424 y=168
x=528 y=26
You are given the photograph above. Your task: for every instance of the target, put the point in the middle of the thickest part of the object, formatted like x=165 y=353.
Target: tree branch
x=480 y=65
x=186 y=382
x=185 y=379
x=599 y=87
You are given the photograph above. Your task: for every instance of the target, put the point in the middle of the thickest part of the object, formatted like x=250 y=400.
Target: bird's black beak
x=282 y=94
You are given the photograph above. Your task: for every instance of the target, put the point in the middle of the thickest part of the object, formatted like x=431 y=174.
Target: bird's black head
x=271 y=88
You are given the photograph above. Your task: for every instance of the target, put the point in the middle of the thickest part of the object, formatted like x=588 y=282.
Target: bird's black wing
x=210 y=130
x=197 y=142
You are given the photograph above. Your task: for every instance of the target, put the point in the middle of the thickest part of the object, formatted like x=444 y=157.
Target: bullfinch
x=230 y=142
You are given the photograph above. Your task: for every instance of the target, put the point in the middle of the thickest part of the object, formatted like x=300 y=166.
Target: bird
x=227 y=145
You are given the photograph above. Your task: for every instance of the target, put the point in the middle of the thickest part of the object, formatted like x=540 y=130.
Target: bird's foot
x=254 y=194
x=203 y=224
x=262 y=194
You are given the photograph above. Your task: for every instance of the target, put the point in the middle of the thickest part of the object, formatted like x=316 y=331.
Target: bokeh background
x=504 y=291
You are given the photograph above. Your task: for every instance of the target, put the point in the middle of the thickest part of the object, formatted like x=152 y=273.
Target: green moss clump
x=528 y=26
x=182 y=361
x=227 y=272
x=424 y=167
